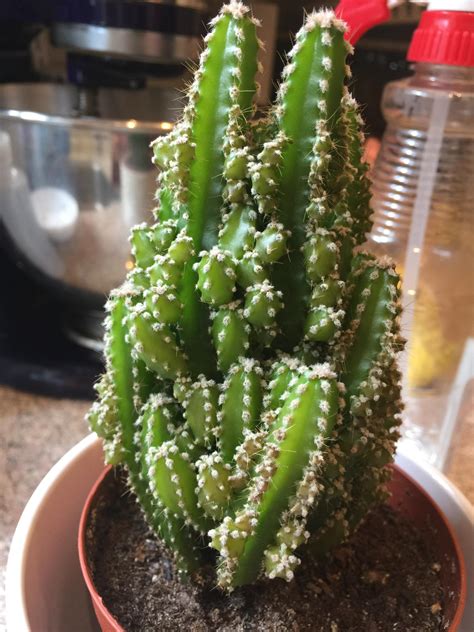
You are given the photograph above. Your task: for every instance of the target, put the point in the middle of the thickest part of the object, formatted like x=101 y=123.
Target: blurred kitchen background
x=84 y=88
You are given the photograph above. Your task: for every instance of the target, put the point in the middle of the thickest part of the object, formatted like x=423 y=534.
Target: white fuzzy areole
x=325 y=19
x=236 y=9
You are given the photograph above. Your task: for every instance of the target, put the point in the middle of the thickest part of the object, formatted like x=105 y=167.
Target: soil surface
x=384 y=579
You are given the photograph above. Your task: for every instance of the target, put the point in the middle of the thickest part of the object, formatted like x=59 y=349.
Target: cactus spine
x=251 y=389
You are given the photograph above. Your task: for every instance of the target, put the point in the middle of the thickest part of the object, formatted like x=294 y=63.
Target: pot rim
x=455 y=541
x=16 y=605
x=114 y=625
x=82 y=550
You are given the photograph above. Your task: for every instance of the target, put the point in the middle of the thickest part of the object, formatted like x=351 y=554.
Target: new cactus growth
x=251 y=389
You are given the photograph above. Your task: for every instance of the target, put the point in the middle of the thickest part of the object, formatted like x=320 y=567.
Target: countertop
x=35 y=431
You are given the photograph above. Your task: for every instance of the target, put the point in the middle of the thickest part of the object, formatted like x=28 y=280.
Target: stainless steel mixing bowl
x=88 y=181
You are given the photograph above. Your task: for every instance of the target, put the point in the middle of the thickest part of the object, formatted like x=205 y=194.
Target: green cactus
x=251 y=388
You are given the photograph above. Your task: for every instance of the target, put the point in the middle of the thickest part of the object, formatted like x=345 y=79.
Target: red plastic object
x=444 y=37
x=106 y=621
x=407 y=497
x=361 y=15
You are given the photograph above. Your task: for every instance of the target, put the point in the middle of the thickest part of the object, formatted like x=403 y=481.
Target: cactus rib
x=225 y=79
x=307 y=108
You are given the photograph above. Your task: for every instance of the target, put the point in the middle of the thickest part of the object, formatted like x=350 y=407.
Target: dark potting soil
x=384 y=579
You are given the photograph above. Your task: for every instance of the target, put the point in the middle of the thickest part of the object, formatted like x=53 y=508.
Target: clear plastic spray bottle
x=423 y=185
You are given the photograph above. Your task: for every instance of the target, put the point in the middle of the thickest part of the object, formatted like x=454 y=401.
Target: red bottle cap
x=444 y=37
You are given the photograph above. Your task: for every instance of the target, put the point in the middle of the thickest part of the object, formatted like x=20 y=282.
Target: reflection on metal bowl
x=88 y=180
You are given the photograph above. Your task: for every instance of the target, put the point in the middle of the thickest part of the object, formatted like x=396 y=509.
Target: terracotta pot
x=407 y=496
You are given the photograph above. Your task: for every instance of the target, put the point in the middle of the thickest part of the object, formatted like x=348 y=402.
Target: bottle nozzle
x=362 y=15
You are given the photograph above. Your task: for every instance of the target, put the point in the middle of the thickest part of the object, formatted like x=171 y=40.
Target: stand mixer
x=83 y=141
